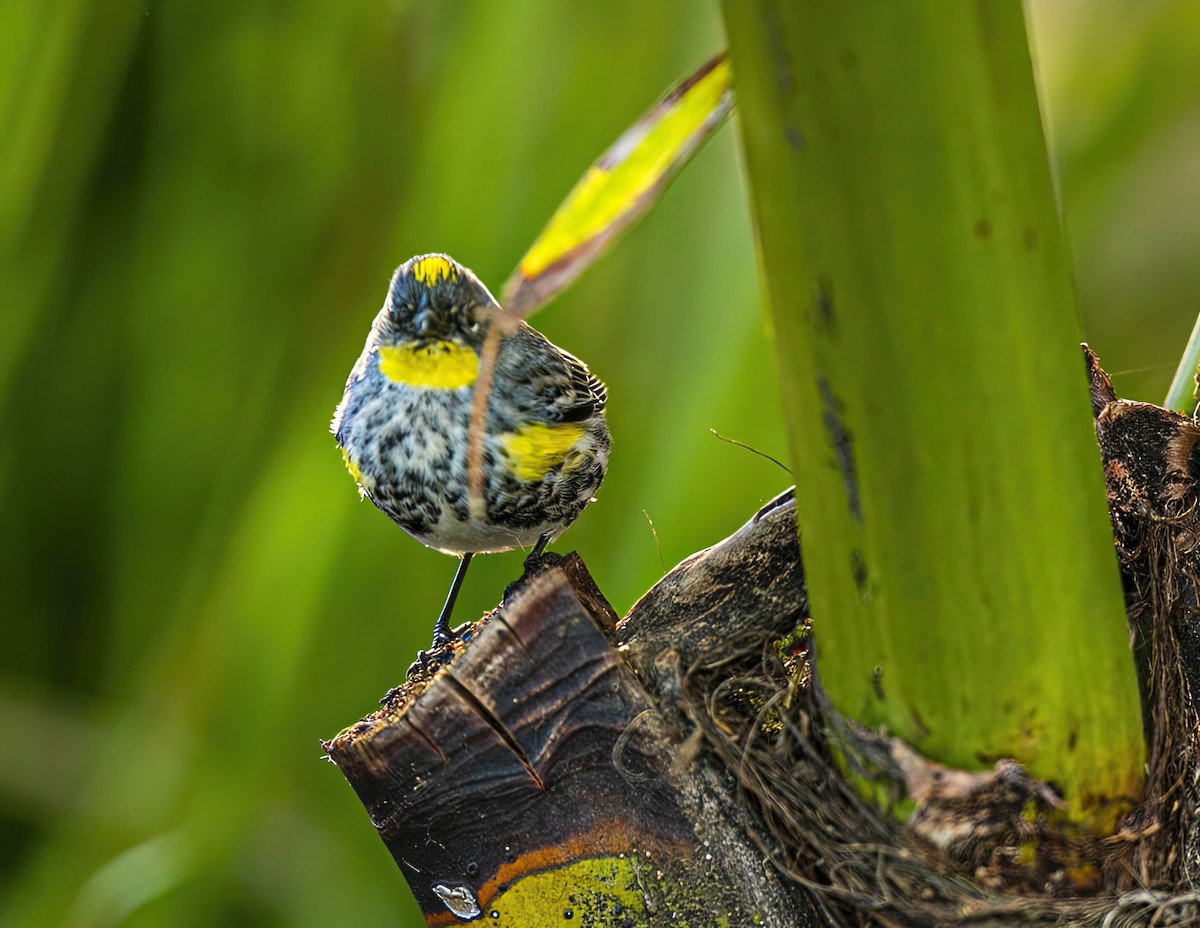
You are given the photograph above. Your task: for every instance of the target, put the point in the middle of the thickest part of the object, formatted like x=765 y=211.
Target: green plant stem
x=951 y=499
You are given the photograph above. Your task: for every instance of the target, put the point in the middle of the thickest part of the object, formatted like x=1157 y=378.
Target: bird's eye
x=474 y=326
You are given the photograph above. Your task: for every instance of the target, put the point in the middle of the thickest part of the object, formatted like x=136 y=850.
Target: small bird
x=404 y=422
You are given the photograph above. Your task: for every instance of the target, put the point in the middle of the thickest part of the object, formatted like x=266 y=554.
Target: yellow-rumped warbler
x=404 y=422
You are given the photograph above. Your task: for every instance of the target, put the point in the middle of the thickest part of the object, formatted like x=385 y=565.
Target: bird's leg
x=441 y=631
x=534 y=560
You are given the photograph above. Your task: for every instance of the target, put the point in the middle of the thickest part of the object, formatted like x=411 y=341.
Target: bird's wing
x=547 y=382
x=586 y=396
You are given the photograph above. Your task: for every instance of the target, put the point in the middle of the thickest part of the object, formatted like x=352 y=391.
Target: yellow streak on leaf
x=640 y=159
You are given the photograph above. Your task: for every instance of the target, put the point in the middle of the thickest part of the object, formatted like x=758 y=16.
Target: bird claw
x=436 y=656
x=420 y=665
x=535 y=563
x=439 y=652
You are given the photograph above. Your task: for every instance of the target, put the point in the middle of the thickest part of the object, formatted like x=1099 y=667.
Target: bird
x=404 y=424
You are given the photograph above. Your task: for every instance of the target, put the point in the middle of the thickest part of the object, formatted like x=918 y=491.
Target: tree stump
x=539 y=778
x=679 y=767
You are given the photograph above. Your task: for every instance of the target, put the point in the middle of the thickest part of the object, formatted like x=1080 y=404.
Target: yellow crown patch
x=432 y=268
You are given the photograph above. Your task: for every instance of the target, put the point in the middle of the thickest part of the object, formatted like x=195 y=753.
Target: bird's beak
x=422 y=322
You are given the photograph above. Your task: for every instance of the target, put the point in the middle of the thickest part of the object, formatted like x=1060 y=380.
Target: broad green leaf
x=950 y=494
x=622 y=185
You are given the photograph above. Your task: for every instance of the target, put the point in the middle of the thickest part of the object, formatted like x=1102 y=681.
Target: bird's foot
x=439 y=654
x=536 y=563
x=425 y=662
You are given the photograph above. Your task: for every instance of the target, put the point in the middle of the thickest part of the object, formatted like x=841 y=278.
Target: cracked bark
x=550 y=771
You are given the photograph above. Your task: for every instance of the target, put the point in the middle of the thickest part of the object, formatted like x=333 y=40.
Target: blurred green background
x=200 y=208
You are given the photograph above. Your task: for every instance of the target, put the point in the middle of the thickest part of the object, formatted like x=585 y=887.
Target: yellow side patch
x=441 y=365
x=432 y=268
x=534 y=449
x=353 y=468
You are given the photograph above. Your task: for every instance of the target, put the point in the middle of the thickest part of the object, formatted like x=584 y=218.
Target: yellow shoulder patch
x=429 y=269
x=533 y=450
x=440 y=365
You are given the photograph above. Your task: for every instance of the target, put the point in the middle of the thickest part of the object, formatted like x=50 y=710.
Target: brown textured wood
x=752 y=582
x=538 y=746
x=509 y=752
x=1152 y=466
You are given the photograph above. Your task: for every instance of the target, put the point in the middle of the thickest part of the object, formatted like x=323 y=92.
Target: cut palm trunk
x=537 y=780
x=676 y=768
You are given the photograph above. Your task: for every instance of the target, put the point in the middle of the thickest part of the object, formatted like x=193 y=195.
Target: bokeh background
x=200 y=208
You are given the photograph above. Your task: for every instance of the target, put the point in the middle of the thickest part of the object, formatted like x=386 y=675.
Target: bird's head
x=433 y=298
